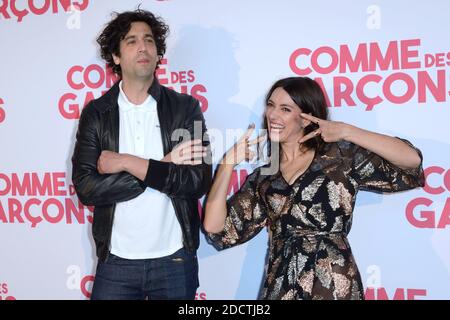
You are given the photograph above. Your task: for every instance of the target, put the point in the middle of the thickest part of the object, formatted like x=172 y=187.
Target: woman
x=307 y=205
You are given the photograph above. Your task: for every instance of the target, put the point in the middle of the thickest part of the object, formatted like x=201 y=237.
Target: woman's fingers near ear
x=310 y=135
x=311 y=118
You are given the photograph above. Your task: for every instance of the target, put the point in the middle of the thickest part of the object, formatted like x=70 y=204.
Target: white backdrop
x=384 y=66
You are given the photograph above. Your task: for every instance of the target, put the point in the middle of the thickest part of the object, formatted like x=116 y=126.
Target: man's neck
x=136 y=91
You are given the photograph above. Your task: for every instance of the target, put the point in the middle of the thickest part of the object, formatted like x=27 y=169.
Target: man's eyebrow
x=132 y=36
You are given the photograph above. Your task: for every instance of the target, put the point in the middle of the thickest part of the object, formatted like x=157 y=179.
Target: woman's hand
x=241 y=149
x=330 y=131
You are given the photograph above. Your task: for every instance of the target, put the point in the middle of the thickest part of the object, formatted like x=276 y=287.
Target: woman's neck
x=292 y=150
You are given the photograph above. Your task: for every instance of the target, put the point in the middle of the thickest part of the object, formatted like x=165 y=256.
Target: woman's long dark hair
x=309 y=97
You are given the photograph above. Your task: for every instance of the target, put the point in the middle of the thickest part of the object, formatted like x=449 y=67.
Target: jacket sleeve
x=183 y=181
x=93 y=188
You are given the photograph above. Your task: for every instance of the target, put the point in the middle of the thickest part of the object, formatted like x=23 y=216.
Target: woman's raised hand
x=330 y=131
x=241 y=149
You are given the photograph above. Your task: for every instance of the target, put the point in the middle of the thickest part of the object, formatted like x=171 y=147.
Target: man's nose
x=141 y=46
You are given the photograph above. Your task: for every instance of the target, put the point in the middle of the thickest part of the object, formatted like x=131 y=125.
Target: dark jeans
x=170 y=277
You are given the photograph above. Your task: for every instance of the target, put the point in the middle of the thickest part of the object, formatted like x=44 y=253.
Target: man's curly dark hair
x=117 y=29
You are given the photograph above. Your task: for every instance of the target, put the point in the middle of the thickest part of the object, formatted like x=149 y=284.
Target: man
x=144 y=185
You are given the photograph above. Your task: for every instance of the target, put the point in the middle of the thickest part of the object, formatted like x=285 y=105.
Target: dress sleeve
x=373 y=173
x=246 y=215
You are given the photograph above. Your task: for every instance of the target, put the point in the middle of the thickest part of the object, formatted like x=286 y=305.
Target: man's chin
x=144 y=75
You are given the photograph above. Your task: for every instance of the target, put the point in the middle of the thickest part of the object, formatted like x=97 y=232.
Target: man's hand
x=110 y=162
x=190 y=152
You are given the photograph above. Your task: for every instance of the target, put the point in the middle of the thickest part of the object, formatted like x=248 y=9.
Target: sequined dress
x=308 y=221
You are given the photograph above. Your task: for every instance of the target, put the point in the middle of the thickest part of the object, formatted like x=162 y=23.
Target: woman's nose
x=272 y=114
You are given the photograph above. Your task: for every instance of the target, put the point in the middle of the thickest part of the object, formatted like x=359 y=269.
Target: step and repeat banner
x=384 y=66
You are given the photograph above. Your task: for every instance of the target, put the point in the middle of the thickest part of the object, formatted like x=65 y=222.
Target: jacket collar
x=155 y=90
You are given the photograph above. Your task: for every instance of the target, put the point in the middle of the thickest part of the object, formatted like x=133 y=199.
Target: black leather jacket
x=98 y=130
